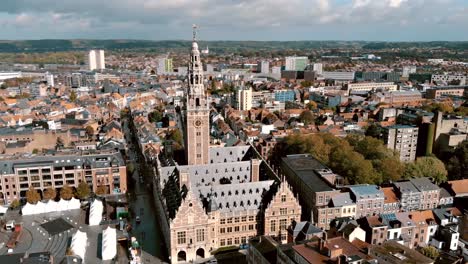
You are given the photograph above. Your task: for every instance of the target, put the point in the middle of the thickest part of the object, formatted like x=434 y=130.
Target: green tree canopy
x=50 y=193
x=89 y=131
x=155 y=116
x=430 y=167
x=307 y=117
x=15 y=204
x=457 y=162
x=32 y=195
x=312 y=105
x=83 y=190
x=101 y=190
x=430 y=252
x=73 y=96
x=66 y=192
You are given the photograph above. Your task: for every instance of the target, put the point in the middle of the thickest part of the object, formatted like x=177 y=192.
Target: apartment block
x=41 y=172
x=364 y=87
x=446 y=79
x=369 y=199
x=403 y=139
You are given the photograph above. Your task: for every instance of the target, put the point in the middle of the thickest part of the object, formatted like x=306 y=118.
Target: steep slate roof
x=235 y=197
x=342 y=199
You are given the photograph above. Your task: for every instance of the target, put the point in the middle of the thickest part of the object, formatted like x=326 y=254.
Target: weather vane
x=194 y=32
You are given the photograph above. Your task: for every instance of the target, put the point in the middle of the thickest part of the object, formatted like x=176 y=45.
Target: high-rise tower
x=197 y=129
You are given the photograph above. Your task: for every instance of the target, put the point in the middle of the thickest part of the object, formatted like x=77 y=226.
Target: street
x=141 y=204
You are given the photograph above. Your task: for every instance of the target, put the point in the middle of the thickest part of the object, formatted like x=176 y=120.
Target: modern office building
x=296 y=63
x=164 y=65
x=96 y=60
x=243 y=98
x=318 y=68
x=407 y=70
x=355 y=88
x=263 y=67
x=339 y=76
x=402 y=139
x=41 y=172
x=439 y=92
x=285 y=95
x=447 y=79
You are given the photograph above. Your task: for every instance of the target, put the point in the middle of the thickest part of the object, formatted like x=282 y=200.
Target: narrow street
x=141 y=204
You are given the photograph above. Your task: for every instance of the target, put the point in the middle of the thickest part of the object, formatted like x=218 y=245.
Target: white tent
x=3 y=209
x=62 y=205
x=74 y=204
x=78 y=244
x=40 y=208
x=51 y=206
x=29 y=209
x=95 y=213
x=109 y=243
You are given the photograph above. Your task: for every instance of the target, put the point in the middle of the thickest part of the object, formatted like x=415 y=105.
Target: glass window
x=200 y=235
x=181 y=237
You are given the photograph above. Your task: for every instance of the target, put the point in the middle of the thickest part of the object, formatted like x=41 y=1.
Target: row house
x=369 y=200
x=306 y=176
x=417 y=194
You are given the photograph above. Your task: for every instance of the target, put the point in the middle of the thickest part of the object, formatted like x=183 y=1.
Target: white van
x=10 y=225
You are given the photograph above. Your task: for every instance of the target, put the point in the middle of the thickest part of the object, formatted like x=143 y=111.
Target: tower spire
x=194 y=28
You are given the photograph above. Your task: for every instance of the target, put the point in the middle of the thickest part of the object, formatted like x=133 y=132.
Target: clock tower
x=197 y=127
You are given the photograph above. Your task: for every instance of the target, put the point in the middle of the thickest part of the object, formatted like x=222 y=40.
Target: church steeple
x=197 y=134
x=196 y=87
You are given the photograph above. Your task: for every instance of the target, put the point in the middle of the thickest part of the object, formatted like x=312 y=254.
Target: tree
x=73 y=96
x=89 y=131
x=306 y=83
x=155 y=116
x=130 y=168
x=35 y=151
x=430 y=167
x=15 y=204
x=32 y=195
x=101 y=190
x=83 y=190
x=50 y=193
x=175 y=135
x=66 y=192
x=307 y=117
x=59 y=143
x=312 y=105
x=430 y=252
x=457 y=162
x=374 y=131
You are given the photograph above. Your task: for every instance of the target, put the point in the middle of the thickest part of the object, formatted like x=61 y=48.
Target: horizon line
x=232 y=40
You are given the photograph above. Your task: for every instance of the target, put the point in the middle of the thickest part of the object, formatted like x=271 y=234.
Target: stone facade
x=281 y=211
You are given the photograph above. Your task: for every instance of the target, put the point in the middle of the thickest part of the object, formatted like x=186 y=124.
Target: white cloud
x=171 y=19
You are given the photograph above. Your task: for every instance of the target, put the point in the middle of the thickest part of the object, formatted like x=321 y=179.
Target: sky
x=372 y=20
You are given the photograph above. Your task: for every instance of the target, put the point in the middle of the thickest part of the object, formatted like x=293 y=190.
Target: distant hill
x=51 y=45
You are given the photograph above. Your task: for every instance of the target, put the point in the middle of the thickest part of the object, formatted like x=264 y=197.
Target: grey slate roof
x=7 y=166
x=424 y=184
x=342 y=199
x=406 y=186
x=304 y=167
x=366 y=191
x=235 y=197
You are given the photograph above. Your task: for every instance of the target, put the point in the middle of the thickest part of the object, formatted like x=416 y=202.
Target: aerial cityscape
x=254 y=145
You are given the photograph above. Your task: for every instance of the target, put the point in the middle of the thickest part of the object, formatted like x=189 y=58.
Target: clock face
x=198 y=123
